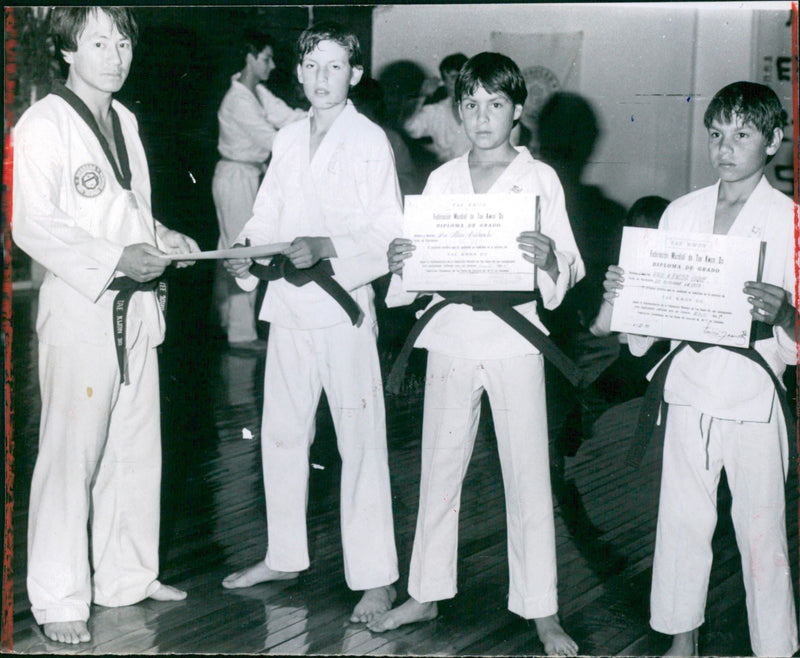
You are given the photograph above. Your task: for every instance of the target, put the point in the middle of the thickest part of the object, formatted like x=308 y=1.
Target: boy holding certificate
x=471 y=349
x=331 y=189
x=725 y=406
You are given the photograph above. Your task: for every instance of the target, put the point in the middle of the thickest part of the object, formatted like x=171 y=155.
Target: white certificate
x=468 y=241
x=258 y=251
x=686 y=286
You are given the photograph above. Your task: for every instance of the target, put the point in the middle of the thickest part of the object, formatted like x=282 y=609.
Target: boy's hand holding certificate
x=467 y=242
x=686 y=286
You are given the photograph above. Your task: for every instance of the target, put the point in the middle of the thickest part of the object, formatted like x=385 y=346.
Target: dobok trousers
x=516 y=391
x=342 y=360
x=755 y=458
x=99 y=461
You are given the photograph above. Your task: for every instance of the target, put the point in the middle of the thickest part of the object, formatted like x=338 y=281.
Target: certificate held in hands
x=686 y=286
x=467 y=242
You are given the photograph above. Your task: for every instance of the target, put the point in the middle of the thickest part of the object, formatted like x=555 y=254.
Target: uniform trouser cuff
x=674 y=628
x=63 y=613
x=531 y=608
x=430 y=594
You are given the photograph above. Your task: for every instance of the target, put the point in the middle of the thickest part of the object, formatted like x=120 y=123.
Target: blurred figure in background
x=439 y=120
x=249 y=118
x=369 y=100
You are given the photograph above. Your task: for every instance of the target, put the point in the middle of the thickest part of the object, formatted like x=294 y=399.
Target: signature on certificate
x=719 y=334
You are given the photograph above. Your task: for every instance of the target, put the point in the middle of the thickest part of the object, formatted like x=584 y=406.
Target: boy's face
x=262 y=64
x=488 y=118
x=103 y=58
x=326 y=75
x=739 y=151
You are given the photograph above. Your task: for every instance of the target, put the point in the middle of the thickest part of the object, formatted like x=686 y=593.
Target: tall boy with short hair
x=82 y=209
x=724 y=406
x=331 y=190
x=471 y=350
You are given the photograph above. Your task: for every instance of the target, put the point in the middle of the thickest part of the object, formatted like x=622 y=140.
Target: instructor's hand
x=178 y=243
x=142 y=262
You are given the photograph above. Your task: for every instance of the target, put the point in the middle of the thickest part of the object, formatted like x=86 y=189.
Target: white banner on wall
x=549 y=62
x=773 y=67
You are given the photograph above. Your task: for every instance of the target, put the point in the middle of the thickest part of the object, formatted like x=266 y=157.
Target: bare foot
x=556 y=642
x=258 y=573
x=684 y=644
x=69 y=632
x=408 y=613
x=167 y=593
x=375 y=602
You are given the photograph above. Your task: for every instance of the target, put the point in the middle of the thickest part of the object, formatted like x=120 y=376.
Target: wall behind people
x=648 y=69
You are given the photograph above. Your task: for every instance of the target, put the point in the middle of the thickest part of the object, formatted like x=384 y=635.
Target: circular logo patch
x=541 y=83
x=89 y=180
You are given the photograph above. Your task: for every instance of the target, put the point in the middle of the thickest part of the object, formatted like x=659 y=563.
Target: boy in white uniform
x=331 y=189
x=470 y=351
x=249 y=118
x=82 y=209
x=724 y=408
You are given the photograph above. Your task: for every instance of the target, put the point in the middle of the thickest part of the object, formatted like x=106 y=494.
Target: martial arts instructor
x=81 y=208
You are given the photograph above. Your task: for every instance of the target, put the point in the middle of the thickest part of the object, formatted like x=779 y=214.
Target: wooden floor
x=213 y=522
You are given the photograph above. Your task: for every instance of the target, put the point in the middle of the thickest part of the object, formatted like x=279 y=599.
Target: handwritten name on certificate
x=467 y=241
x=686 y=286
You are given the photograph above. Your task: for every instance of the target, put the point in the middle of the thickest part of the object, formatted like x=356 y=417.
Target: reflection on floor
x=213 y=522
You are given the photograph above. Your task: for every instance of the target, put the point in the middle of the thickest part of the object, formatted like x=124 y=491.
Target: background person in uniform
x=249 y=118
x=439 y=120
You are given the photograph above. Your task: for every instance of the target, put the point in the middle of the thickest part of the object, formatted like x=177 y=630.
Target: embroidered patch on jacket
x=89 y=180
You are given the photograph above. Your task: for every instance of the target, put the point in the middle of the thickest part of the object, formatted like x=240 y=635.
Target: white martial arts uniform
x=248 y=124
x=471 y=351
x=439 y=122
x=349 y=193
x=99 y=441
x=724 y=412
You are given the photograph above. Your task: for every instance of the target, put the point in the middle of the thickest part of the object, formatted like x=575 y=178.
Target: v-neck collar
x=746 y=219
x=122 y=172
x=331 y=138
x=508 y=171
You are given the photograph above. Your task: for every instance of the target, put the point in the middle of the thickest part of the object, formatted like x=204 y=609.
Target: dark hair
x=67 y=23
x=328 y=31
x=646 y=211
x=452 y=62
x=253 y=43
x=749 y=101
x=496 y=73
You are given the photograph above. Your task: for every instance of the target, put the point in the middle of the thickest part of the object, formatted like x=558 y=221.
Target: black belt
x=126 y=287
x=648 y=426
x=502 y=305
x=321 y=273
